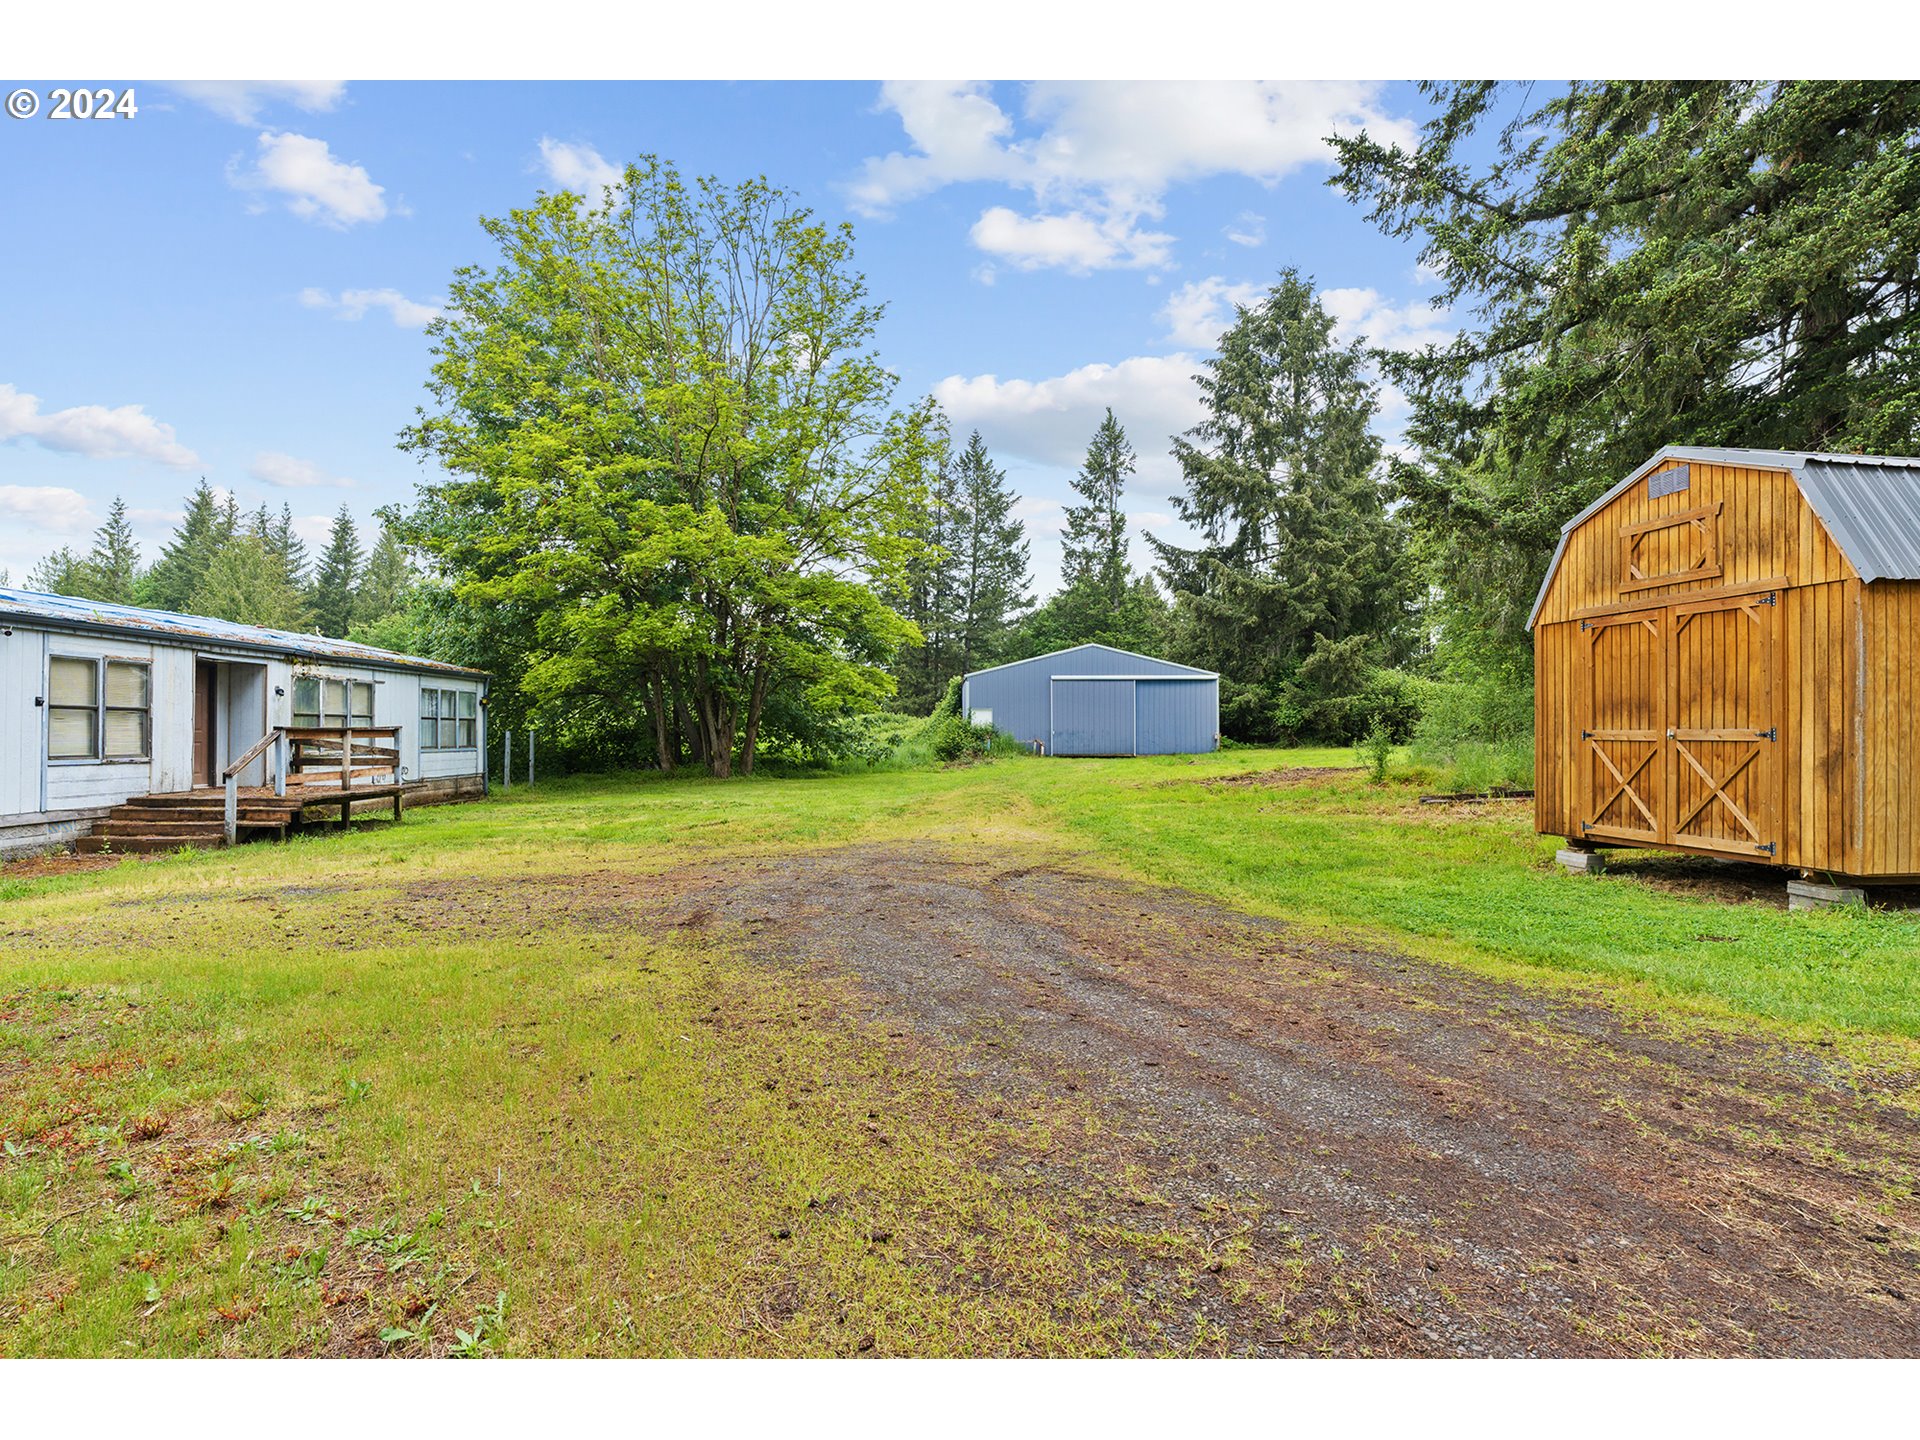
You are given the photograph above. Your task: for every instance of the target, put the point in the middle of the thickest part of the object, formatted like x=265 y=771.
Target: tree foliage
x=1643 y=263
x=671 y=445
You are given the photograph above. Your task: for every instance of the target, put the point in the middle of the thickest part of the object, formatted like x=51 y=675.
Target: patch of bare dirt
x=46 y=867
x=1701 y=877
x=1292 y=775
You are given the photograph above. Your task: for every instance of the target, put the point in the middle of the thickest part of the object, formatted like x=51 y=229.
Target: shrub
x=1479 y=735
x=953 y=737
x=1375 y=751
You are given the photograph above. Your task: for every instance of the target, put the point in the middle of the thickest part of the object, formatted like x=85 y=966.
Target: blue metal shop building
x=1096 y=700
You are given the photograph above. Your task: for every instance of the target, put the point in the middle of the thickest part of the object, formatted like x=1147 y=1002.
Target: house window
x=98 y=709
x=449 y=719
x=328 y=700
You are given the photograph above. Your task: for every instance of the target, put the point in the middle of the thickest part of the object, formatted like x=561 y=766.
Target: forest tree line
x=247 y=567
x=684 y=517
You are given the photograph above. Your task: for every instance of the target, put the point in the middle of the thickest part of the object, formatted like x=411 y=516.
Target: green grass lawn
x=247 y=1108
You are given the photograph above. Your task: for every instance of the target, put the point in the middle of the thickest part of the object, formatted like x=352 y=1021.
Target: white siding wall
x=245 y=696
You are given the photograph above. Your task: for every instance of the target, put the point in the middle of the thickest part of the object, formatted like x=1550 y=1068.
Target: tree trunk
x=662 y=737
x=689 y=733
x=754 y=707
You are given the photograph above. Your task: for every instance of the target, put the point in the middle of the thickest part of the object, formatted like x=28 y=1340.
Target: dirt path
x=1416 y=1160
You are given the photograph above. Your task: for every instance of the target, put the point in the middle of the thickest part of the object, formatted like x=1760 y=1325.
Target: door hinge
x=1586 y=734
x=1772 y=732
x=1766 y=849
x=1584 y=625
x=1770 y=598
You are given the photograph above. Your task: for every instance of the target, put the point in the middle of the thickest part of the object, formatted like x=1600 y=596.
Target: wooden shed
x=1725 y=653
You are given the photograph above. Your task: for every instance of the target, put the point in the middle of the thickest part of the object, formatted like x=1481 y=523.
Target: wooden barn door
x=1623 y=747
x=1724 y=729
x=1681 y=746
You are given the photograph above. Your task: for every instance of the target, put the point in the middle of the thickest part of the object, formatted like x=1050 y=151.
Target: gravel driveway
x=1427 y=1161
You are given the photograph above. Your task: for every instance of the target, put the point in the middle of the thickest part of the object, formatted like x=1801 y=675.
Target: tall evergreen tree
x=930 y=587
x=1094 y=548
x=283 y=543
x=1723 y=262
x=1283 y=479
x=337 y=578
x=1101 y=599
x=247 y=582
x=203 y=532
x=383 y=581
x=61 y=573
x=993 y=575
x=114 y=562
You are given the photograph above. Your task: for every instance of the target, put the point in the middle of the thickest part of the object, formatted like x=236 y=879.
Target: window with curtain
x=127 y=717
x=73 y=709
x=98 y=709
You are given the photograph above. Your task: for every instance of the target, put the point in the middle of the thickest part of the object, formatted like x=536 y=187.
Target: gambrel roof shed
x=1723 y=650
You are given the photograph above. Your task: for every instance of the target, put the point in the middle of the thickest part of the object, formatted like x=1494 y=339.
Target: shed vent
x=1669 y=482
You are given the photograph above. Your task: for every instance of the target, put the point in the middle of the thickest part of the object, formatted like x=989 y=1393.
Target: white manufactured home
x=104 y=706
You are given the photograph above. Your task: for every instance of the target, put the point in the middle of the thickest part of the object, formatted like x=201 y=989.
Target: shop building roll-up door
x=1092 y=716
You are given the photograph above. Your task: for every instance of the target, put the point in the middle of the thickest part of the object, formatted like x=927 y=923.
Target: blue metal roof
x=29 y=607
x=1869 y=504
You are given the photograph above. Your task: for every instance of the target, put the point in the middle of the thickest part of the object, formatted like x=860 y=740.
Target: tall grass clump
x=1477 y=736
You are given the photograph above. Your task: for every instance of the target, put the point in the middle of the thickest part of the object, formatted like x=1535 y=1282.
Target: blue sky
x=234 y=282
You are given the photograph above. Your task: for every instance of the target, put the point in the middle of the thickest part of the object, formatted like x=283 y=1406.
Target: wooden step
x=142 y=844
x=159 y=825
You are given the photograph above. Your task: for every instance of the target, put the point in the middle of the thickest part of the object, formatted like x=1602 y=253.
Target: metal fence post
x=529 y=759
x=506 y=765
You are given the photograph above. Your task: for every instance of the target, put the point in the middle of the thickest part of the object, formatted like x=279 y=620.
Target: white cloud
x=285 y=472
x=316 y=530
x=579 y=168
x=311 y=181
x=1247 y=229
x=1198 y=311
x=1049 y=421
x=1075 y=242
x=1361 y=314
x=1040 y=516
x=121 y=433
x=1097 y=156
x=241 y=101
x=50 y=509
x=354 y=305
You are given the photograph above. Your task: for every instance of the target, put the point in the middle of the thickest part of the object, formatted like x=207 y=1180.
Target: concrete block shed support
x=1582 y=862
x=1807 y=895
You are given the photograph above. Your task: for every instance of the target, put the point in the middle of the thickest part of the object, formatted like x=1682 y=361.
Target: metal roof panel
x=26 y=606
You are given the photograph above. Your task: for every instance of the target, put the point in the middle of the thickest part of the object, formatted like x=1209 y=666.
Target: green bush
x=1478 y=735
x=1375 y=751
x=956 y=738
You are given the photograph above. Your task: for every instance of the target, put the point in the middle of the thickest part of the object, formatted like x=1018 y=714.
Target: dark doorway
x=205 y=687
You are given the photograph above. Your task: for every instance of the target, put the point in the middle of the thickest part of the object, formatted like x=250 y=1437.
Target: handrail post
x=280 y=746
x=346 y=761
x=233 y=808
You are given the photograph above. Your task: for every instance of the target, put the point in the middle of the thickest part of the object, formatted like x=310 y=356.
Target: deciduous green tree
x=669 y=441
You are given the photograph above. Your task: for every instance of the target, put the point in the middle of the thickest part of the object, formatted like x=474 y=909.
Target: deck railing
x=316 y=760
